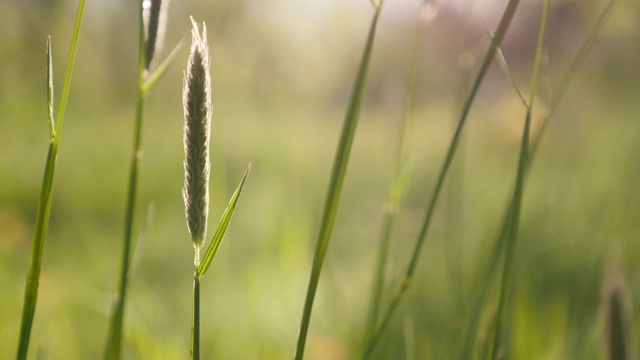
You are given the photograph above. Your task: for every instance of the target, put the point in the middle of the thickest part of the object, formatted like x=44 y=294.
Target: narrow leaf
x=510 y=247
x=222 y=228
x=338 y=173
x=155 y=76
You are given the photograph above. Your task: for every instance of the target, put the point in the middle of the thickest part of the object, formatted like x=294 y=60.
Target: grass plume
x=196 y=100
x=154 y=15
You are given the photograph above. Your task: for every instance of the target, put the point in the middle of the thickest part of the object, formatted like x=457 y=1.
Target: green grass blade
x=212 y=249
x=142 y=237
x=114 y=337
x=52 y=122
x=513 y=234
x=46 y=192
x=72 y=58
x=517 y=195
x=152 y=79
x=495 y=43
x=335 y=185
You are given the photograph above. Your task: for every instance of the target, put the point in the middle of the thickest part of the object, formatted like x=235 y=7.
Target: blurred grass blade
x=142 y=237
x=157 y=74
x=512 y=237
x=400 y=181
x=46 y=192
x=495 y=43
x=52 y=122
x=510 y=246
x=335 y=185
x=505 y=68
x=486 y=275
x=222 y=228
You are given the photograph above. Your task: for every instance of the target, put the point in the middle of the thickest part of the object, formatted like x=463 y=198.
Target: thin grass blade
x=212 y=249
x=335 y=184
x=505 y=21
x=195 y=320
x=401 y=179
x=46 y=192
x=159 y=72
x=519 y=188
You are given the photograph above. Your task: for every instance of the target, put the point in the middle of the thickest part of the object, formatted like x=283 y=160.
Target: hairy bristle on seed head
x=196 y=99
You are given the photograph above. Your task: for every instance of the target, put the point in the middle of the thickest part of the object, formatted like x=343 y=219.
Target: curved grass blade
x=46 y=192
x=335 y=185
x=152 y=79
x=487 y=274
x=495 y=43
x=212 y=249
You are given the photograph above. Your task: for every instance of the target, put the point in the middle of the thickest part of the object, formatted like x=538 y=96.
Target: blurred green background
x=281 y=75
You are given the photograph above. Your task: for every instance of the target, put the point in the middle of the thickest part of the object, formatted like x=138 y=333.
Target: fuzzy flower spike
x=196 y=100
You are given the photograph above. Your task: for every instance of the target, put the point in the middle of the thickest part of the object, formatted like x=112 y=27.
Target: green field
x=281 y=76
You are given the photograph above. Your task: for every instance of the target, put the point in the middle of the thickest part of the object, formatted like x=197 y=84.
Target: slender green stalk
x=513 y=233
x=398 y=185
x=195 y=319
x=495 y=43
x=487 y=274
x=335 y=185
x=517 y=195
x=46 y=191
x=114 y=339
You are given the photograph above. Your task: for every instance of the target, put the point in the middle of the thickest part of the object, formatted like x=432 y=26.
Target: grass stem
x=195 y=319
x=46 y=191
x=114 y=339
x=512 y=237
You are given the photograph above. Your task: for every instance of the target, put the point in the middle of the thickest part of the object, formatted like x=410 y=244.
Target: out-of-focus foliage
x=281 y=75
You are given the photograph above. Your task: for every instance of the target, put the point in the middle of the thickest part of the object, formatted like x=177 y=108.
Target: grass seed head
x=196 y=99
x=154 y=15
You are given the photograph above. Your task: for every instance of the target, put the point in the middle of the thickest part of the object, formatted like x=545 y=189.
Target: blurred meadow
x=281 y=75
